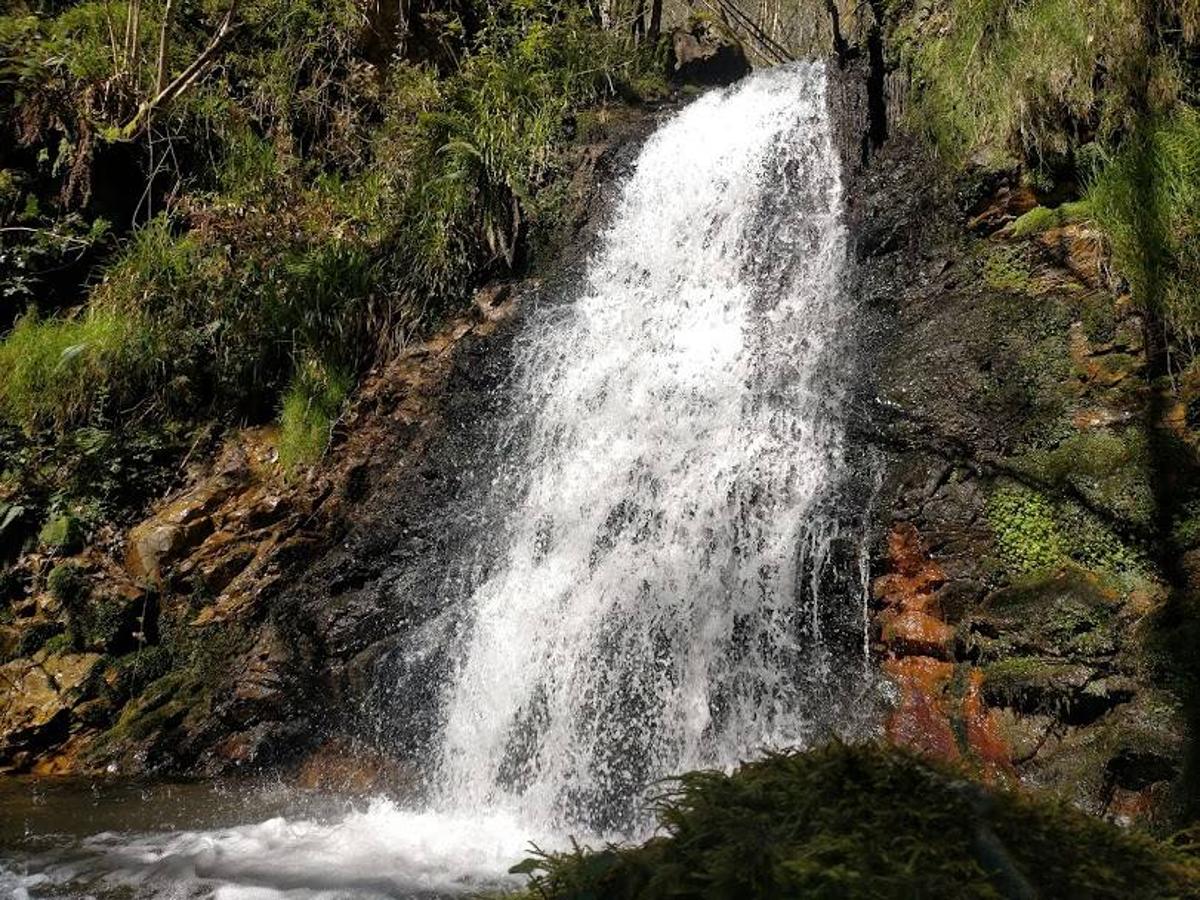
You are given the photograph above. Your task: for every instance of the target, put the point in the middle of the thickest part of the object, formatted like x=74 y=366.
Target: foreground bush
x=844 y=822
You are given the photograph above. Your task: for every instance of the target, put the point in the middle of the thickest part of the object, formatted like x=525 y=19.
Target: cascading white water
x=659 y=597
x=647 y=615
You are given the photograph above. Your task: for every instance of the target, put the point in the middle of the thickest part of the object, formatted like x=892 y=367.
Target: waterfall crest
x=656 y=604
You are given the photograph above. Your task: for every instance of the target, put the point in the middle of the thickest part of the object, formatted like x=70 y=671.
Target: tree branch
x=160 y=80
x=184 y=79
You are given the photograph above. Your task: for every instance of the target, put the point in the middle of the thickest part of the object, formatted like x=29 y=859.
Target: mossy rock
x=1065 y=614
x=1071 y=692
x=1109 y=468
x=130 y=675
x=858 y=822
x=1133 y=747
x=1006 y=269
x=161 y=708
x=30 y=637
x=62 y=534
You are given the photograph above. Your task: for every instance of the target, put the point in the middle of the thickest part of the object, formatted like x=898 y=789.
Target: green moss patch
x=1037 y=530
x=1006 y=269
x=1042 y=219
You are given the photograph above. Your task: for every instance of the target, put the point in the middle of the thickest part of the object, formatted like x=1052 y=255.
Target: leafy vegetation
x=1035 y=532
x=322 y=188
x=863 y=822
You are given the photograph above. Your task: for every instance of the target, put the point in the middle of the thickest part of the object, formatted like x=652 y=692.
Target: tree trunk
x=164 y=37
x=655 y=20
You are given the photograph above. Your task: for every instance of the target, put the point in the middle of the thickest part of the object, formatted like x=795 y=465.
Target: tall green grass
x=58 y=370
x=310 y=408
x=1037 y=78
x=1147 y=202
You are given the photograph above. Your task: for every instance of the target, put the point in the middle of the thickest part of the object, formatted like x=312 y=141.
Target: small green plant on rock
x=1005 y=269
x=309 y=410
x=1042 y=219
x=1025 y=528
x=1034 y=531
x=68 y=584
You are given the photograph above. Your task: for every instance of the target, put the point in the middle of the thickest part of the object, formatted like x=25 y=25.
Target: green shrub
x=859 y=822
x=310 y=408
x=1025 y=529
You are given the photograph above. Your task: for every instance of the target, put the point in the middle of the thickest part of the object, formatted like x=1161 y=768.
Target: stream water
x=671 y=589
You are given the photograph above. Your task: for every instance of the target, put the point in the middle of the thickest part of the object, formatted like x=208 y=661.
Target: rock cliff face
x=1028 y=590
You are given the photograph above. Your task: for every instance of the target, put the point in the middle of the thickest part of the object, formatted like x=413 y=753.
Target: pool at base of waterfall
x=112 y=840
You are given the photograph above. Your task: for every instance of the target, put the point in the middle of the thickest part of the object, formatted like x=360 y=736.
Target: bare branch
x=160 y=80
x=184 y=79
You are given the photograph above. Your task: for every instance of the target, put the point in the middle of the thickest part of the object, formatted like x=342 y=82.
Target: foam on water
x=381 y=851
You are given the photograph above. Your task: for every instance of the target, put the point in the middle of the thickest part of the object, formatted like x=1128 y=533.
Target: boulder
x=702 y=56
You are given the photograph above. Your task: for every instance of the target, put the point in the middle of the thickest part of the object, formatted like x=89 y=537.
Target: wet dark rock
x=980 y=389
x=702 y=56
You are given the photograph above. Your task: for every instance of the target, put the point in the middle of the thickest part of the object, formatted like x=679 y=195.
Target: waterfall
x=655 y=603
x=667 y=574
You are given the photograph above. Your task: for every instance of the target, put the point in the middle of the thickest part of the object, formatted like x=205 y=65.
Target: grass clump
x=863 y=822
x=1094 y=95
x=56 y=370
x=319 y=193
x=306 y=420
x=1147 y=202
